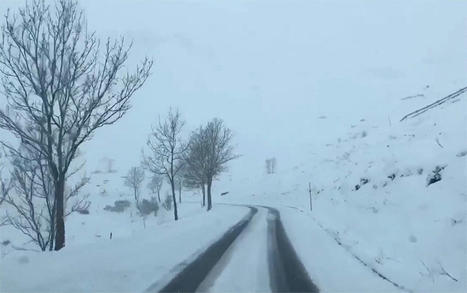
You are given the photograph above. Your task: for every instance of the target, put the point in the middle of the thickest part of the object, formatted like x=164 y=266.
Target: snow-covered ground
x=129 y=263
x=407 y=230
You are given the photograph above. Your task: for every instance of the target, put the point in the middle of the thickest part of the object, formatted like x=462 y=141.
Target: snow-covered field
x=129 y=263
x=320 y=86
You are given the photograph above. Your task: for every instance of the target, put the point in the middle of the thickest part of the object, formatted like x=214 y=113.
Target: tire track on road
x=287 y=273
x=188 y=279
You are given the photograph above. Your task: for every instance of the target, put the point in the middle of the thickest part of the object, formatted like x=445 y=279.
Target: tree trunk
x=136 y=198
x=203 y=189
x=209 y=196
x=159 y=195
x=59 y=213
x=52 y=229
x=172 y=183
x=180 y=193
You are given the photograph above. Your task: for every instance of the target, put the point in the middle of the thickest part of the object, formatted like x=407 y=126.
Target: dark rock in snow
x=435 y=176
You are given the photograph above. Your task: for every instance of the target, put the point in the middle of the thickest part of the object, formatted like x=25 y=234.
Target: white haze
x=270 y=70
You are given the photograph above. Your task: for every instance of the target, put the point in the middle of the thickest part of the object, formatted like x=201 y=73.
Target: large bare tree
x=210 y=149
x=167 y=149
x=61 y=84
x=195 y=163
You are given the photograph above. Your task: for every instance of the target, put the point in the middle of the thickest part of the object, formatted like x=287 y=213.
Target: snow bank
x=126 y=264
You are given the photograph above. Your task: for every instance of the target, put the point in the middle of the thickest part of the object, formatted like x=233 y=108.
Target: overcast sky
x=271 y=72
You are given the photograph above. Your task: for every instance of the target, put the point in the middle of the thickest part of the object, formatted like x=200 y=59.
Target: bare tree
x=220 y=151
x=109 y=163
x=271 y=166
x=61 y=84
x=195 y=163
x=133 y=180
x=166 y=150
x=209 y=151
x=155 y=185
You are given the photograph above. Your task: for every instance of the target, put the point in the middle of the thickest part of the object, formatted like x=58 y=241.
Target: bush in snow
x=119 y=206
x=149 y=206
x=83 y=211
x=167 y=204
x=363 y=181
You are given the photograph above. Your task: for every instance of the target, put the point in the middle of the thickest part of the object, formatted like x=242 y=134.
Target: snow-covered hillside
x=374 y=191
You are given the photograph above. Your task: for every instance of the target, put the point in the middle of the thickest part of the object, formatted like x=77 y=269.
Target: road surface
x=253 y=256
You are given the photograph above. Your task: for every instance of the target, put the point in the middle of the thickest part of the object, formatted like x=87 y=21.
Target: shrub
x=167 y=203
x=118 y=207
x=83 y=211
x=148 y=206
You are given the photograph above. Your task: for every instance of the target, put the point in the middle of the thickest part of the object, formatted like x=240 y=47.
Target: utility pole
x=309 y=191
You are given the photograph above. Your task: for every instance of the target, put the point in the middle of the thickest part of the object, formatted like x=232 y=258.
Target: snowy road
x=253 y=256
x=244 y=266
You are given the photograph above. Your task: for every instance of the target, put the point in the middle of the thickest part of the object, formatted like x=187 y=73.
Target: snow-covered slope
x=373 y=192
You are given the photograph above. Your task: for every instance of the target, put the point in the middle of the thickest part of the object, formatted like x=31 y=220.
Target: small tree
x=133 y=180
x=61 y=84
x=155 y=185
x=167 y=150
x=271 y=166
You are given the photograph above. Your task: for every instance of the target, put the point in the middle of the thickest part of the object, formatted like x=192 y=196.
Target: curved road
x=255 y=255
